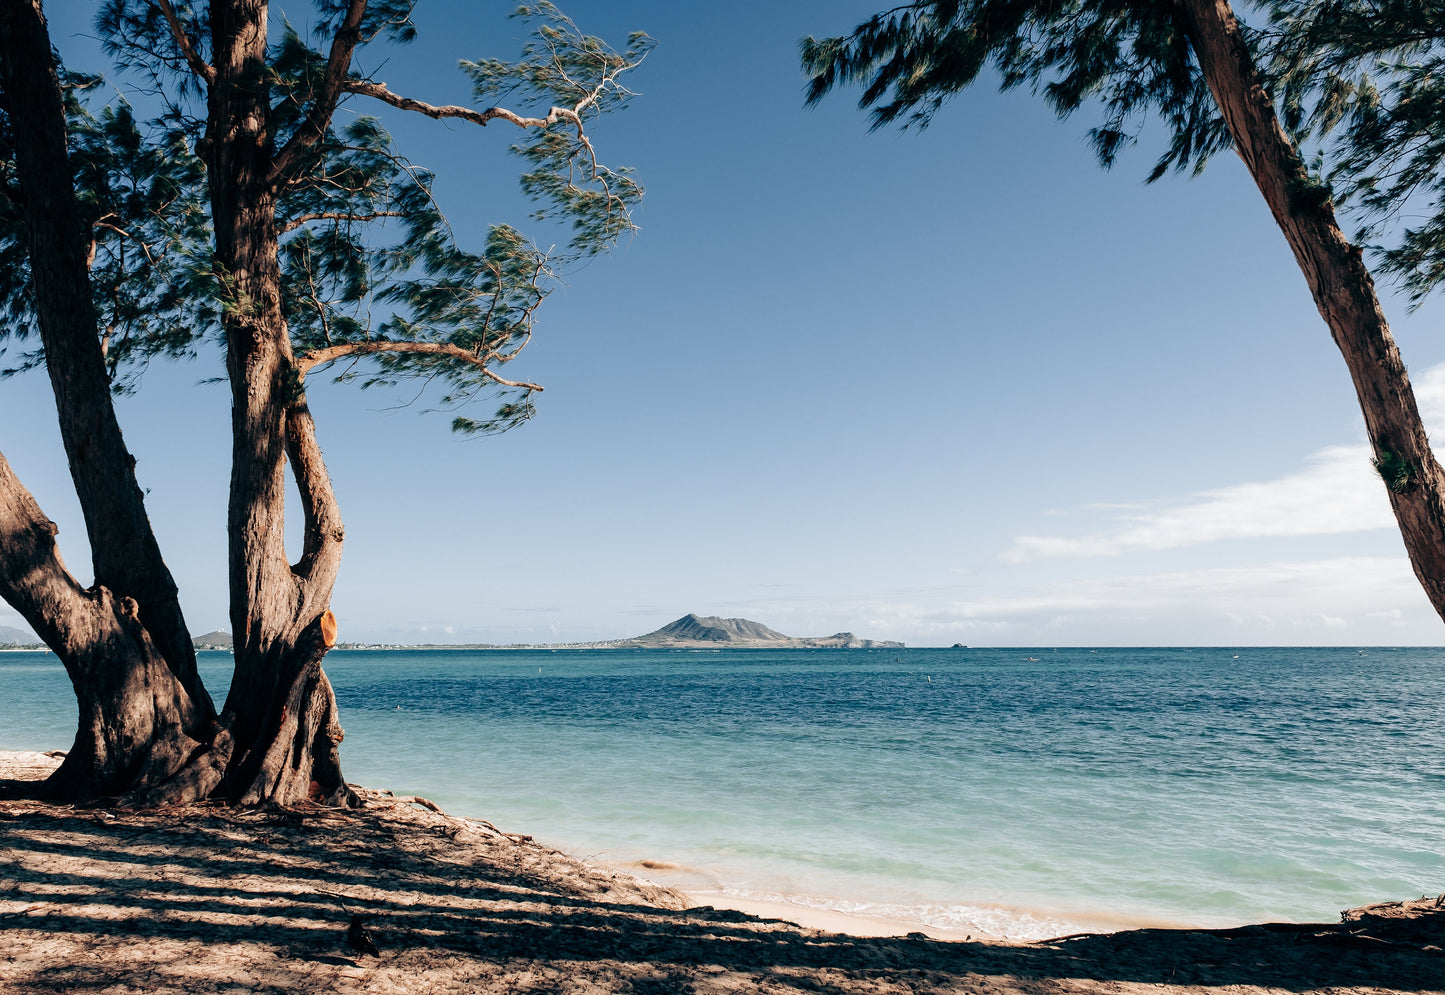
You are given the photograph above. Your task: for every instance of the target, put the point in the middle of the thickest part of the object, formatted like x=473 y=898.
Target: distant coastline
x=692 y=631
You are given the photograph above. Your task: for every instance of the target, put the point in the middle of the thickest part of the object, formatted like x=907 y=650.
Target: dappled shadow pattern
x=269 y=899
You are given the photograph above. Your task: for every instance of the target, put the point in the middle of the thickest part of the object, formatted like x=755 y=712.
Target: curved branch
x=323 y=106
x=33 y=579
x=321 y=545
x=307 y=361
x=380 y=92
x=198 y=65
x=302 y=219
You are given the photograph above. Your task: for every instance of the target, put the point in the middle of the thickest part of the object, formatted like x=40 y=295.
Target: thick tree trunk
x=133 y=712
x=1341 y=285
x=125 y=553
x=148 y=730
x=280 y=713
x=125 y=703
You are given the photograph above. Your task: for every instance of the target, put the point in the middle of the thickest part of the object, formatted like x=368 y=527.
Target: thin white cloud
x=1337 y=491
x=1368 y=598
x=1240 y=590
x=1430 y=396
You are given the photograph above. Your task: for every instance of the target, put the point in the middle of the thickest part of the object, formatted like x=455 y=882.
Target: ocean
x=1015 y=792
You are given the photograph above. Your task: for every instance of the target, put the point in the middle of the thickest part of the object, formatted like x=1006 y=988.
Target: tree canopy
x=239 y=212
x=371 y=266
x=1355 y=79
x=1365 y=81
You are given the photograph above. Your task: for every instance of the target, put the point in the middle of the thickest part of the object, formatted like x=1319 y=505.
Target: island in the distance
x=688 y=632
x=711 y=632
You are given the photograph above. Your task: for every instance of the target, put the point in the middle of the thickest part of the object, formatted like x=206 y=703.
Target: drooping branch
x=380 y=92
x=198 y=65
x=330 y=354
x=323 y=105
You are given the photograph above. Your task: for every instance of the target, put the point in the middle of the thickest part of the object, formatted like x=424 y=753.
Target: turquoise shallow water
x=1015 y=791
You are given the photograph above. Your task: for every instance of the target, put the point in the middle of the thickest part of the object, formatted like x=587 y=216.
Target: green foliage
x=1361 y=82
x=386 y=264
x=1309 y=192
x=135 y=34
x=1366 y=79
x=1130 y=57
x=141 y=196
x=1397 y=471
x=366 y=253
x=391 y=18
x=562 y=67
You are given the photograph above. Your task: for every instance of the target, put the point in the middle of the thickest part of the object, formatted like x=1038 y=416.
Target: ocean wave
x=990 y=921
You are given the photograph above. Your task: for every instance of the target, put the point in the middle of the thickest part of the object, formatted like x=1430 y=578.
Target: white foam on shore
x=942 y=920
x=954 y=922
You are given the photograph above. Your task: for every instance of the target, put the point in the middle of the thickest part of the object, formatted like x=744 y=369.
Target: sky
x=957 y=385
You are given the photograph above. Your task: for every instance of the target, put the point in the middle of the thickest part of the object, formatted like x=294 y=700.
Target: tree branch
x=380 y=92
x=323 y=105
x=318 y=357
x=125 y=235
x=302 y=219
x=198 y=65
x=321 y=546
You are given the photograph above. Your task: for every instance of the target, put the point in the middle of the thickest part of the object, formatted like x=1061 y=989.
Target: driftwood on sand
x=397 y=897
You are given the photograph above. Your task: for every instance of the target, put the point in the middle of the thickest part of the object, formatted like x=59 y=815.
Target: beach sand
x=396 y=897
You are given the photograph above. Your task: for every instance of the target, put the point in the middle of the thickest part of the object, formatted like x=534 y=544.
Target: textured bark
x=126 y=556
x=137 y=684
x=133 y=712
x=280 y=713
x=1339 y=282
x=148 y=730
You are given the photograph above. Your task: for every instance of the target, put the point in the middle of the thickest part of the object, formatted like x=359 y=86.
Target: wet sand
x=396 y=897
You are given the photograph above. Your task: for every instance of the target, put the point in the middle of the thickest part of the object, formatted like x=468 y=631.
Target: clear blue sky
x=950 y=386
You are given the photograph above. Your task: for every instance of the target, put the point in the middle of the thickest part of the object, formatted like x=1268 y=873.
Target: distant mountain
x=218 y=640
x=688 y=632
x=714 y=630
x=10 y=636
x=708 y=631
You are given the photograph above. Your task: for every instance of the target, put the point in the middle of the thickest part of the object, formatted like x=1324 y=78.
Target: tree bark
x=1339 y=282
x=148 y=731
x=111 y=743
x=126 y=556
x=281 y=712
x=133 y=712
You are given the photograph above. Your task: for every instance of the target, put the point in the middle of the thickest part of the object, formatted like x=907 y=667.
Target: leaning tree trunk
x=281 y=713
x=1341 y=285
x=141 y=700
x=133 y=713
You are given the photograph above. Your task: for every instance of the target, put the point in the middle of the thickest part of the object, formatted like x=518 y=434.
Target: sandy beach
x=398 y=897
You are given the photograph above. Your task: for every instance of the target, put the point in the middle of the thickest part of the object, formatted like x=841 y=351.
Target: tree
x=244 y=215
x=1191 y=64
x=1364 y=77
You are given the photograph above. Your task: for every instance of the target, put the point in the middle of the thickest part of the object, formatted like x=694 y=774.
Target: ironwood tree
x=1367 y=72
x=1366 y=78
x=242 y=219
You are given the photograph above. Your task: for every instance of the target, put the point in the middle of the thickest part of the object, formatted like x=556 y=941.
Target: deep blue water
x=974 y=788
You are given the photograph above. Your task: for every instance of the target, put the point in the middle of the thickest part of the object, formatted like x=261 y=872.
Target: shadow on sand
x=315 y=888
